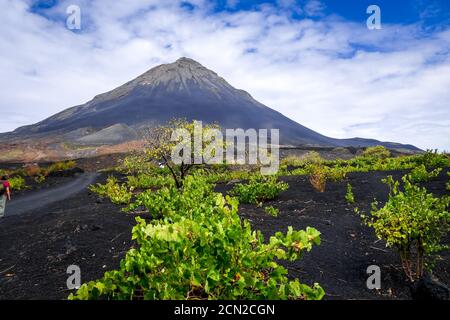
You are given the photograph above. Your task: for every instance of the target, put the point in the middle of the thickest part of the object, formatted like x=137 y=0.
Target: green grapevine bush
x=377 y=152
x=118 y=194
x=145 y=181
x=433 y=159
x=414 y=222
x=372 y=160
x=59 y=166
x=272 y=211
x=259 y=189
x=349 y=196
x=169 y=201
x=448 y=183
x=420 y=174
x=318 y=177
x=202 y=250
x=17 y=183
x=136 y=164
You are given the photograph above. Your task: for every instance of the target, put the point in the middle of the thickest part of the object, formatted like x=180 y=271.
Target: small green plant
x=145 y=181
x=349 y=196
x=40 y=178
x=336 y=174
x=312 y=157
x=272 y=211
x=420 y=174
x=136 y=164
x=377 y=152
x=318 y=177
x=434 y=159
x=59 y=166
x=448 y=183
x=412 y=221
x=259 y=189
x=117 y=193
x=17 y=183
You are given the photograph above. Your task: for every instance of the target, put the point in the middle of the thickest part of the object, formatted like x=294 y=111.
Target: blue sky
x=431 y=13
x=394 y=11
x=313 y=60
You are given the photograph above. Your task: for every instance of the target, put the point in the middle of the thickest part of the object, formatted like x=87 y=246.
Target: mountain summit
x=183 y=89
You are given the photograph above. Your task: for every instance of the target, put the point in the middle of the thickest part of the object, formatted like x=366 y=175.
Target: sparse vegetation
x=349 y=196
x=200 y=249
x=318 y=177
x=312 y=157
x=448 y=183
x=259 y=189
x=194 y=245
x=146 y=181
x=272 y=211
x=377 y=152
x=414 y=222
x=59 y=166
x=420 y=174
x=117 y=193
x=337 y=170
x=163 y=140
x=17 y=183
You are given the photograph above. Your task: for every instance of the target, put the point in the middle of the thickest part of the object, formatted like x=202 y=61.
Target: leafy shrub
x=374 y=161
x=136 y=164
x=336 y=173
x=420 y=174
x=39 y=174
x=349 y=196
x=145 y=181
x=118 y=194
x=259 y=189
x=414 y=222
x=294 y=161
x=312 y=157
x=202 y=250
x=448 y=183
x=59 y=166
x=169 y=201
x=318 y=177
x=272 y=211
x=377 y=152
x=4 y=172
x=17 y=183
x=39 y=178
x=433 y=159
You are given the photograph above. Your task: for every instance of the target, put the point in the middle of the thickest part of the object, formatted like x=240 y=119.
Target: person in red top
x=5 y=193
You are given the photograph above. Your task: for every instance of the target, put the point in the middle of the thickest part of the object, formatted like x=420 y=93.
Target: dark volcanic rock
x=428 y=289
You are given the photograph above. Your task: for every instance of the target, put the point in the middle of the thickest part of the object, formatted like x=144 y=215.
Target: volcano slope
x=113 y=121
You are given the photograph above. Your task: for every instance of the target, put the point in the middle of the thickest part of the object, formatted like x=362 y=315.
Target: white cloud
x=314 y=8
x=331 y=75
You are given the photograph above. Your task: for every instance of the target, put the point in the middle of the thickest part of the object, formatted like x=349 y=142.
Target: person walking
x=5 y=193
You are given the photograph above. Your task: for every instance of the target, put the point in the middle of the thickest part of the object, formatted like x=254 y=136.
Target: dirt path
x=40 y=199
